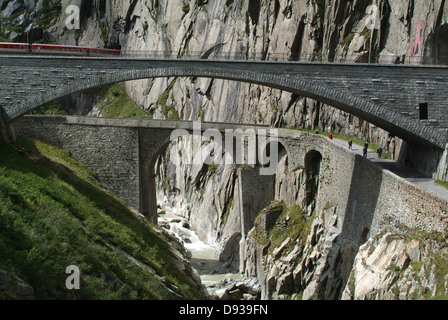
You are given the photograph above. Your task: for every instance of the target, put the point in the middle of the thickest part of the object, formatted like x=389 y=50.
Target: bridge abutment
x=256 y=192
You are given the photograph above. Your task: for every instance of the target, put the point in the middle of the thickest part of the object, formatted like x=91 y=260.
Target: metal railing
x=281 y=57
x=254 y=56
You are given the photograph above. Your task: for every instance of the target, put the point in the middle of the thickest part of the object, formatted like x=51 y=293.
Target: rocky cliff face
x=408 y=31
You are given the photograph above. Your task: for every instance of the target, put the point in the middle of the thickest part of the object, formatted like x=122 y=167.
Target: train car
x=6 y=47
x=59 y=50
x=50 y=49
x=95 y=52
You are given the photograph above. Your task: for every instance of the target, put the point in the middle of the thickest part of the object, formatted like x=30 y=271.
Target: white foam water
x=204 y=257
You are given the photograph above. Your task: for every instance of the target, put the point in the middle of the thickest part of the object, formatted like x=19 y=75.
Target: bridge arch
x=340 y=86
x=301 y=87
x=152 y=145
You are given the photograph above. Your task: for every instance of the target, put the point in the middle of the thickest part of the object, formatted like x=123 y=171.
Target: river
x=204 y=258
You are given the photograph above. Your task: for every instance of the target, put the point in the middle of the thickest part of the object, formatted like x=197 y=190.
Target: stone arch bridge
x=122 y=152
x=410 y=102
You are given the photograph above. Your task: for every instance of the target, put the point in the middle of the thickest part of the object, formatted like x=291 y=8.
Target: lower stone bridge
x=353 y=194
x=123 y=152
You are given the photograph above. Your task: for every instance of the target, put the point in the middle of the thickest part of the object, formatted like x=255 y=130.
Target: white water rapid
x=204 y=258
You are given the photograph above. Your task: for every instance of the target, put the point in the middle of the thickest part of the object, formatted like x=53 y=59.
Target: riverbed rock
x=244 y=289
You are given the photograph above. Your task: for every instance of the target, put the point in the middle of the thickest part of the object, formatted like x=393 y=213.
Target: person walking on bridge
x=364 y=151
x=379 y=151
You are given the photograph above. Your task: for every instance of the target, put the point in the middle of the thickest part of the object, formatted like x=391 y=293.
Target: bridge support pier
x=148 y=195
x=6 y=130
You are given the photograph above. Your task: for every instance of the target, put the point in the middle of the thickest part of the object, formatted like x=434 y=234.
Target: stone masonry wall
x=256 y=193
x=110 y=152
x=403 y=207
x=370 y=200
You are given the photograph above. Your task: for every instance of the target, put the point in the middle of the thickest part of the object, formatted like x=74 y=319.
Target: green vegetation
x=169 y=111
x=9 y=25
x=114 y=103
x=54 y=213
x=347 y=40
x=291 y=223
x=117 y=104
x=366 y=33
x=51 y=108
x=48 y=15
x=432 y=265
x=145 y=25
x=442 y=183
x=319 y=55
x=104 y=32
x=201 y=114
x=185 y=7
x=17 y=29
x=212 y=168
x=440 y=262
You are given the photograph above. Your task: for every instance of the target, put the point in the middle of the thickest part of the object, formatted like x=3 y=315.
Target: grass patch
x=286 y=223
x=212 y=167
x=169 y=111
x=115 y=102
x=442 y=183
x=294 y=224
x=51 y=108
x=347 y=40
x=53 y=213
x=440 y=261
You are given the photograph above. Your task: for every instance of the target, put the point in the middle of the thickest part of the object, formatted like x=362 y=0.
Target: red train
x=23 y=48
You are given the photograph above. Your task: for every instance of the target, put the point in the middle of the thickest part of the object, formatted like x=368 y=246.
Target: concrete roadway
x=402 y=171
